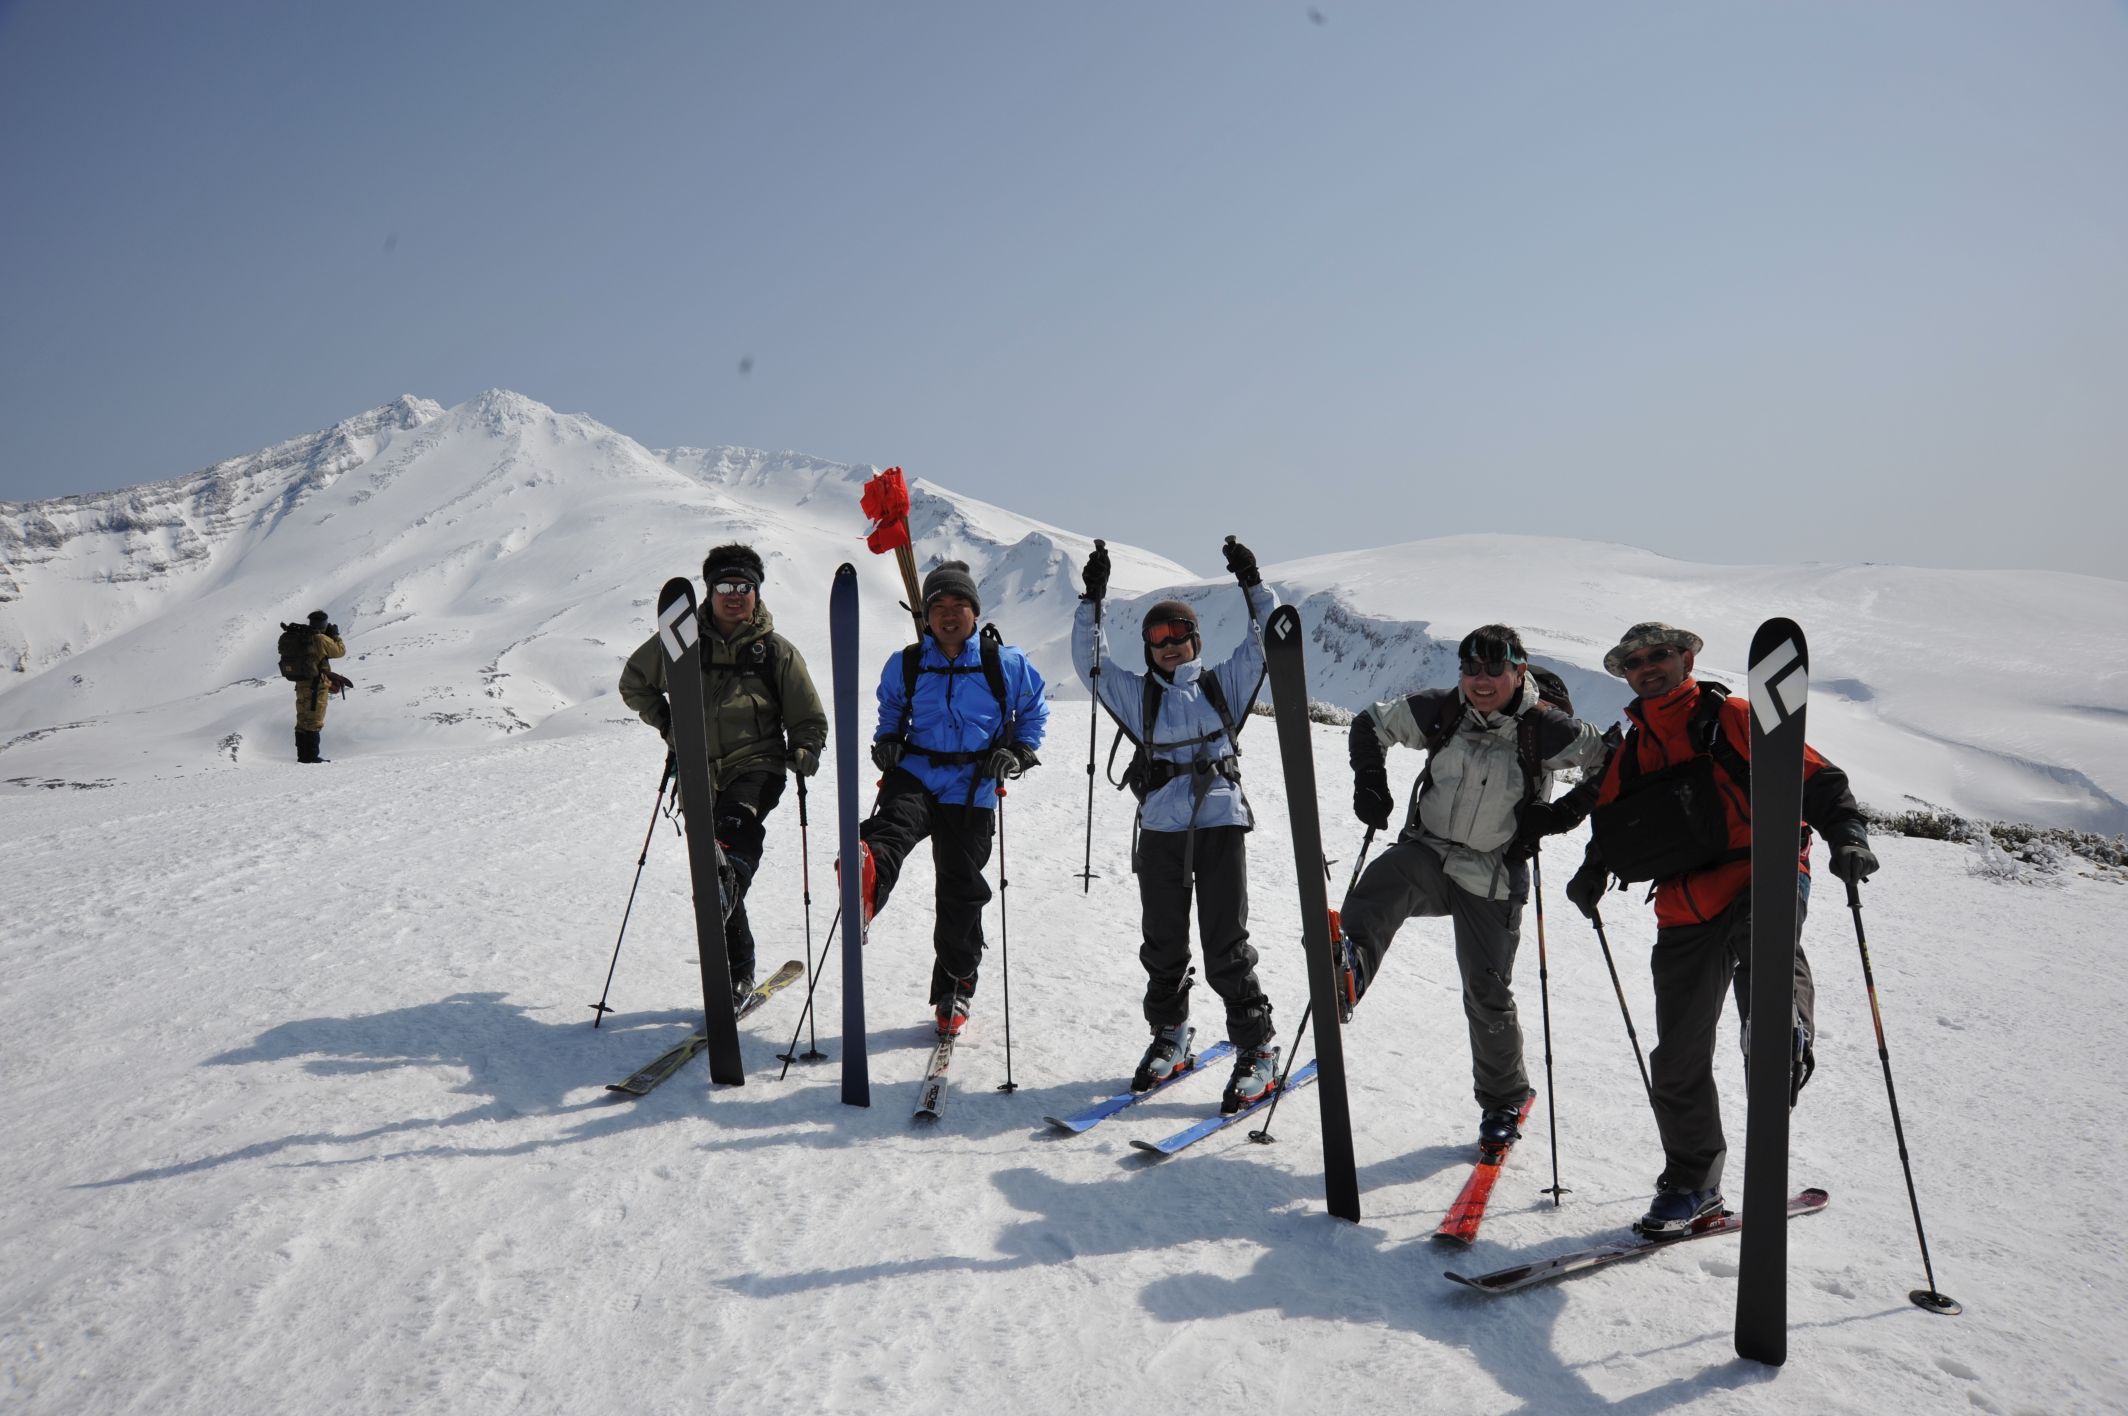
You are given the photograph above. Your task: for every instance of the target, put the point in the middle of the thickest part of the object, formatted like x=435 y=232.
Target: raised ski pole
x=805 y=1015
x=1093 y=739
x=1623 y=1011
x=812 y=1051
x=1929 y=1299
x=1544 y=991
x=1263 y=1136
x=1005 y=941
x=599 y=1010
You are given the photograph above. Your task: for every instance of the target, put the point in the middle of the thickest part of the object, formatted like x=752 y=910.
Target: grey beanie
x=951 y=578
x=1646 y=635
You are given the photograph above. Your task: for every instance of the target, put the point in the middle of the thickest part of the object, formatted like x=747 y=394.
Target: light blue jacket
x=1184 y=713
x=956 y=712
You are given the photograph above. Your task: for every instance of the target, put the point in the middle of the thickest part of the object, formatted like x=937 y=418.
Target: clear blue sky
x=1733 y=281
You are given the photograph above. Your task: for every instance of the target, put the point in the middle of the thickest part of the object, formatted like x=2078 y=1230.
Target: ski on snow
x=645 y=1078
x=1100 y=1111
x=849 y=732
x=931 y=1096
x=1287 y=669
x=1191 y=1135
x=681 y=635
x=1468 y=1212
x=1780 y=692
x=1507 y=1280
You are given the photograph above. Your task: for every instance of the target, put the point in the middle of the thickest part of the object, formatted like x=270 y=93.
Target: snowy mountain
x=493 y=563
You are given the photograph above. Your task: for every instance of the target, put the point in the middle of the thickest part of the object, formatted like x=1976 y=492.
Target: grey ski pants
x=1407 y=881
x=1222 y=889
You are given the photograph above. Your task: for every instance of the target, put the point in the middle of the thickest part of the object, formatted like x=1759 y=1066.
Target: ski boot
x=1500 y=1127
x=951 y=1015
x=742 y=988
x=1678 y=1211
x=867 y=883
x=1168 y=1054
x=1255 y=1073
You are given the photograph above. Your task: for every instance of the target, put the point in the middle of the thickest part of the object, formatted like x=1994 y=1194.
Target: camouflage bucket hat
x=1646 y=635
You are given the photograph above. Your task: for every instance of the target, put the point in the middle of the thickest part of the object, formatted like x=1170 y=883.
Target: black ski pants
x=960 y=849
x=1222 y=891
x=743 y=805
x=1408 y=880
x=1693 y=965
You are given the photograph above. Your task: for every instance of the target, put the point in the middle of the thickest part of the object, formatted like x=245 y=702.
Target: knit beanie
x=951 y=578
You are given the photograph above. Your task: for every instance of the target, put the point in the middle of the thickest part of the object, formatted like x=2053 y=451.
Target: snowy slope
x=304 y=1113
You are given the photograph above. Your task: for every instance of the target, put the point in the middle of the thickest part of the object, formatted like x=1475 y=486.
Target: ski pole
x=1930 y=1298
x=1544 y=991
x=1264 y=1137
x=1093 y=739
x=1623 y=1011
x=812 y=1051
x=805 y=1015
x=1005 y=941
x=599 y=1010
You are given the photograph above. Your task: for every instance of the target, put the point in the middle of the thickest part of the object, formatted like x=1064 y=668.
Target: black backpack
x=1669 y=821
x=759 y=661
x=298 y=649
x=993 y=672
x=1145 y=774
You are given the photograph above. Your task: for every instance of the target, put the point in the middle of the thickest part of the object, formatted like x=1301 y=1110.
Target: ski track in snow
x=306 y=1112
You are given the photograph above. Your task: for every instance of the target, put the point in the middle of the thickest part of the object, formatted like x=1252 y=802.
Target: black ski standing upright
x=849 y=732
x=1780 y=691
x=681 y=634
x=1288 y=673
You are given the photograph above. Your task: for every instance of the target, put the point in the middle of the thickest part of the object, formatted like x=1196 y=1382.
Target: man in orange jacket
x=1686 y=736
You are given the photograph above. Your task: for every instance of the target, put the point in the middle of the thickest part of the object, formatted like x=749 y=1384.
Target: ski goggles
x=733 y=587
x=1167 y=632
x=1488 y=668
x=1660 y=654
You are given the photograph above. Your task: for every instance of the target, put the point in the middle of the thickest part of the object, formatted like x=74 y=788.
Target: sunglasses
x=733 y=587
x=1162 y=635
x=1488 y=668
x=1660 y=654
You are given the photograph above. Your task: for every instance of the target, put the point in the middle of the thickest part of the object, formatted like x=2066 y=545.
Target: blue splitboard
x=1100 y=1111
x=1301 y=1077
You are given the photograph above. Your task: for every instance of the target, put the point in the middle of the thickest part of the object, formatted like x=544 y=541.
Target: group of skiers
x=961 y=713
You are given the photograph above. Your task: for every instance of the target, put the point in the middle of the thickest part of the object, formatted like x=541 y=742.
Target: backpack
x=298 y=650
x=993 y=672
x=1145 y=774
x=1669 y=821
x=1551 y=692
x=758 y=661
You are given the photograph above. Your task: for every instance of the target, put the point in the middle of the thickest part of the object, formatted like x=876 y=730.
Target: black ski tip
x=1930 y=1301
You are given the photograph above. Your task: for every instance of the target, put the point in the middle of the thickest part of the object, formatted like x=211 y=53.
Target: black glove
x=805 y=761
x=1006 y=763
x=1585 y=890
x=1095 y=576
x=1535 y=821
x=1854 y=862
x=1371 y=801
x=333 y=630
x=886 y=753
x=661 y=719
x=1241 y=564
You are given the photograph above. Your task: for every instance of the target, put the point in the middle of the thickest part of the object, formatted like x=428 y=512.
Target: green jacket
x=747 y=727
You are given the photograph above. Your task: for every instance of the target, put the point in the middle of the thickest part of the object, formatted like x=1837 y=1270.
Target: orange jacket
x=1662 y=739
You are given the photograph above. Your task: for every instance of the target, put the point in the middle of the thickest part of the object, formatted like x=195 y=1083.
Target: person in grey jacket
x=1192 y=818
x=1475 y=817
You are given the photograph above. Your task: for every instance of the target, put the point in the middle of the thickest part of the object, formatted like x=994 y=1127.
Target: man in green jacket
x=761 y=712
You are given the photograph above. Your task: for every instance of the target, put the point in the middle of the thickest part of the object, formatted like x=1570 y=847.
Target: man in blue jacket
x=1192 y=816
x=957 y=717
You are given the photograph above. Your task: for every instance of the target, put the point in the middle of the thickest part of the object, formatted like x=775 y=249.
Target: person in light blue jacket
x=1192 y=818
x=959 y=714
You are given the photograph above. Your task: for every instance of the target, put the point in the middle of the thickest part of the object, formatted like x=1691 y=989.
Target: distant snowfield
x=493 y=563
x=305 y=1112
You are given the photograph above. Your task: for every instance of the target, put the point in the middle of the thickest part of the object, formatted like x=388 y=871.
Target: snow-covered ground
x=305 y=1113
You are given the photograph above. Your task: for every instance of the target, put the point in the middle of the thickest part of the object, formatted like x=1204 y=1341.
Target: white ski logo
x=1779 y=686
x=676 y=626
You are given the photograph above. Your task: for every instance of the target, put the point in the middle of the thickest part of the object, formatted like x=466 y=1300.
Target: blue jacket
x=1184 y=713
x=956 y=712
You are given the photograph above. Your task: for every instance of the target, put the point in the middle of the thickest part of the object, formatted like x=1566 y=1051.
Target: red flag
x=886 y=501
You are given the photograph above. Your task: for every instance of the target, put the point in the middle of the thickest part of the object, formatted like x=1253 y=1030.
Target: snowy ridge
x=493 y=563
